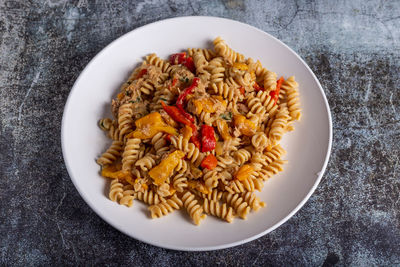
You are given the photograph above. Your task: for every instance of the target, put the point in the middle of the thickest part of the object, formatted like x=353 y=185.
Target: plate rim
x=207 y=248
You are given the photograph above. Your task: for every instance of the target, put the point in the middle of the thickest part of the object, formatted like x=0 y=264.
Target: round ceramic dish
x=308 y=146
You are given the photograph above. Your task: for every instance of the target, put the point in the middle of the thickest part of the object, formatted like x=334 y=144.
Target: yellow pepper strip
x=253 y=75
x=187 y=132
x=219 y=150
x=221 y=99
x=244 y=125
x=240 y=66
x=223 y=129
x=205 y=104
x=110 y=173
x=120 y=96
x=198 y=105
x=163 y=171
x=198 y=186
x=196 y=172
x=149 y=125
x=244 y=172
x=208 y=104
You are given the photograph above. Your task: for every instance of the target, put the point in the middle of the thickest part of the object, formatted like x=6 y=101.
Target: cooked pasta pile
x=198 y=132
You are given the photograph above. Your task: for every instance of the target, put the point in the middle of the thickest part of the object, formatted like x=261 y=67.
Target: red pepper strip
x=174 y=81
x=141 y=73
x=209 y=162
x=275 y=94
x=176 y=115
x=177 y=58
x=184 y=113
x=195 y=140
x=241 y=89
x=257 y=87
x=180 y=58
x=182 y=97
x=188 y=62
x=168 y=137
x=208 y=141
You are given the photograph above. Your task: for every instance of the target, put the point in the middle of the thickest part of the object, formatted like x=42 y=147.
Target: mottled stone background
x=352 y=46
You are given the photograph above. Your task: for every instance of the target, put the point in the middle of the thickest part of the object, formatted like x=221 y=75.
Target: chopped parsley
x=138 y=99
x=226 y=116
x=163 y=99
x=184 y=79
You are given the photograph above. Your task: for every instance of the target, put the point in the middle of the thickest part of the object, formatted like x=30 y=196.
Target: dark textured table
x=353 y=47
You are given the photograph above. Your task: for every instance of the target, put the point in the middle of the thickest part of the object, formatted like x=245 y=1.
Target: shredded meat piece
x=141 y=108
x=114 y=107
x=153 y=72
x=181 y=73
x=242 y=108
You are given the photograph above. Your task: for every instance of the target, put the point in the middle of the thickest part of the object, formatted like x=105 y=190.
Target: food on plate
x=198 y=132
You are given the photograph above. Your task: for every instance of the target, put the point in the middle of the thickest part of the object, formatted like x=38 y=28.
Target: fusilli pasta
x=201 y=130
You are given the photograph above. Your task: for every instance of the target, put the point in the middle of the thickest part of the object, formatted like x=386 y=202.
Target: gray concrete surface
x=352 y=46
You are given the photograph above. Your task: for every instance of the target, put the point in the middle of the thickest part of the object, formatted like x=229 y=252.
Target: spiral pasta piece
x=214 y=195
x=154 y=60
x=146 y=163
x=270 y=81
x=256 y=107
x=193 y=208
x=206 y=118
x=242 y=78
x=223 y=90
x=253 y=201
x=131 y=153
x=207 y=53
x=293 y=102
x=180 y=143
x=105 y=124
x=162 y=95
x=182 y=167
x=260 y=141
x=217 y=70
x=222 y=211
x=267 y=101
x=201 y=64
x=250 y=184
x=160 y=144
x=179 y=182
x=226 y=52
x=278 y=125
x=240 y=206
x=111 y=154
x=210 y=178
x=147 y=87
x=163 y=190
x=163 y=208
x=116 y=190
x=125 y=120
x=194 y=154
x=128 y=195
x=257 y=69
x=112 y=129
x=149 y=197
x=241 y=156
x=275 y=153
x=224 y=161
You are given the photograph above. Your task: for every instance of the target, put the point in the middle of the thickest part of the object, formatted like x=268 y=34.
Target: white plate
x=308 y=147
